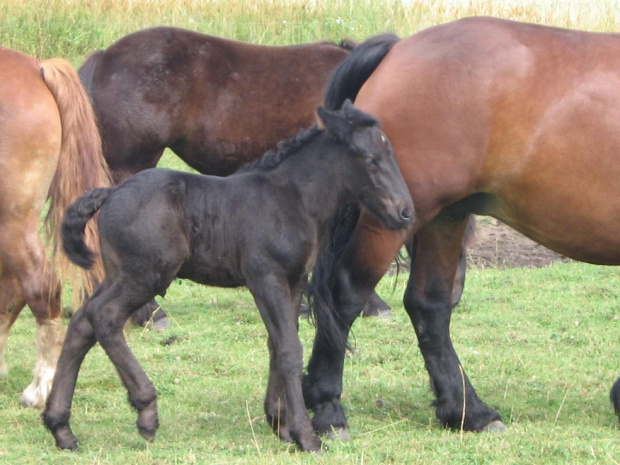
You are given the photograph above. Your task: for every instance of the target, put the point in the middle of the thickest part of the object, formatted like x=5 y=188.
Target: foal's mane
x=284 y=150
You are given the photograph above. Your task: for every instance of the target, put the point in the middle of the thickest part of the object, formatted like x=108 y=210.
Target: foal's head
x=374 y=177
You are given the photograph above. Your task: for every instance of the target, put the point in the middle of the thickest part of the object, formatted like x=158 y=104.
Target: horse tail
x=81 y=167
x=87 y=70
x=320 y=288
x=73 y=226
x=350 y=76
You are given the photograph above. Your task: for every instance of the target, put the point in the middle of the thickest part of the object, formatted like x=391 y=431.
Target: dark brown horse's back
x=217 y=103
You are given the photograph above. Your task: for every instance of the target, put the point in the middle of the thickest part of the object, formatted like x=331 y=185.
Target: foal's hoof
x=340 y=434
x=494 y=427
x=147 y=433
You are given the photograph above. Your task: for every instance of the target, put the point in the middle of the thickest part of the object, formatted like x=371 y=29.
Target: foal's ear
x=335 y=124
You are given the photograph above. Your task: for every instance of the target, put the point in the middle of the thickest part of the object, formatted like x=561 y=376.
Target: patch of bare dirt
x=498 y=246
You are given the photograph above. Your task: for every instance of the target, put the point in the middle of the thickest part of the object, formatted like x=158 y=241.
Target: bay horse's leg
x=275 y=400
x=367 y=257
x=615 y=397
x=428 y=301
x=12 y=301
x=80 y=339
x=276 y=306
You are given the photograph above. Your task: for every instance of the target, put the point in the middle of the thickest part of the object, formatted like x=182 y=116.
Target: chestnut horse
x=49 y=148
x=217 y=103
x=491 y=117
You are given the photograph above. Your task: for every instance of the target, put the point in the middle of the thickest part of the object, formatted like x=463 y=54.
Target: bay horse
x=217 y=103
x=262 y=228
x=488 y=117
x=49 y=149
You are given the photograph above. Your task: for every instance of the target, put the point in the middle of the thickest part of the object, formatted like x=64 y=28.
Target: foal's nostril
x=406 y=213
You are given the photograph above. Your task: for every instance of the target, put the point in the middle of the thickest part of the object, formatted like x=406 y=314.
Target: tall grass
x=73 y=28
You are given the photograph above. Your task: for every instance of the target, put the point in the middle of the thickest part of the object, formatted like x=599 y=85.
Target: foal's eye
x=369 y=160
x=384 y=139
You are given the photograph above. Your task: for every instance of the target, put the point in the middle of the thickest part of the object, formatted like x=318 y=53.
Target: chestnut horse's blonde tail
x=81 y=167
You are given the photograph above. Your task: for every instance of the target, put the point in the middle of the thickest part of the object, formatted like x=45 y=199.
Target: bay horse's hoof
x=494 y=427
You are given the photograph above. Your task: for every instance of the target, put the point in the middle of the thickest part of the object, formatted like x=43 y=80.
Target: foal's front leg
x=275 y=400
x=273 y=299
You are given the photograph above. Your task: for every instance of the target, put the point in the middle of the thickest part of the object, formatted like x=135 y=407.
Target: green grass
x=540 y=345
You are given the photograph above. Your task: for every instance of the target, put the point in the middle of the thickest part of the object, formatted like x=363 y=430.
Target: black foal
x=262 y=228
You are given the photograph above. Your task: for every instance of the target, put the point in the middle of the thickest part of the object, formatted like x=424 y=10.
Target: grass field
x=539 y=345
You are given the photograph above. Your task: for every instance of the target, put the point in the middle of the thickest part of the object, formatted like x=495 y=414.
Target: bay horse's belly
x=561 y=184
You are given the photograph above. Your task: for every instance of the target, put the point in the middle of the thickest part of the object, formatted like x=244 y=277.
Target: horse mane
x=284 y=149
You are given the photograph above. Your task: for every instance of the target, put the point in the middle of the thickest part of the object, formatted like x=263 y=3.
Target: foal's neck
x=318 y=172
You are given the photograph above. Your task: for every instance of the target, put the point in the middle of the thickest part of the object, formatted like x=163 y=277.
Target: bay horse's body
x=49 y=148
x=217 y=103
x=490 y=117
x=261 y=228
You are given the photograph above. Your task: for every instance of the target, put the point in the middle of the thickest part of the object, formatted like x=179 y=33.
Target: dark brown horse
x=161 y=224
x=486 y=116
x=49 y=148
x=216 y=103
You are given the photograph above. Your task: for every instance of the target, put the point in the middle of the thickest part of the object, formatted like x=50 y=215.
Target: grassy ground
x=540 y=345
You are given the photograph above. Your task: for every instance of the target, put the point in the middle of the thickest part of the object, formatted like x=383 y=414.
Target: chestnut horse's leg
x=276 y=304
x=12 y=301
x=23 y=257
x=356 y=275
x=80 y=339
x=428 y=301
x=275 y=400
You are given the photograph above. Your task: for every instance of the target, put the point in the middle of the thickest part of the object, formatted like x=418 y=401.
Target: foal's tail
x=350 y=76
x=75 y=223
x=81 y=165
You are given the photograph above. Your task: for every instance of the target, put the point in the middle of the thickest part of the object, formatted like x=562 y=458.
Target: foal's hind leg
x=115 y=305
x=80 y=339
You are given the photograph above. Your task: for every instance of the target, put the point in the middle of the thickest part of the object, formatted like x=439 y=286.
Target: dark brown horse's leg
x=353 y=279
x=151 y=314
x=277 y=309
x=80 y=339
x=428 y=301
